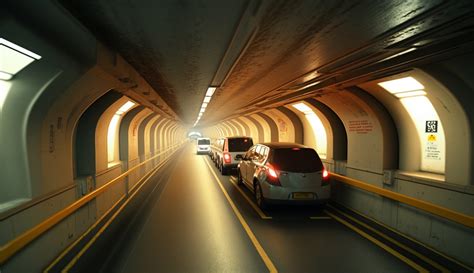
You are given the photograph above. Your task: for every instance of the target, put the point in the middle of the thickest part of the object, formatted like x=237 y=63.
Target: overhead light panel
x=302 y=108
x=402 y=85
x=207 y=99
x=202 y=110
x=210 y=91
x=14 y=58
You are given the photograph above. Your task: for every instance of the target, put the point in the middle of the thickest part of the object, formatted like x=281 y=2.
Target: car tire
x=240 y=181
x=223 y=169
x=261 y=202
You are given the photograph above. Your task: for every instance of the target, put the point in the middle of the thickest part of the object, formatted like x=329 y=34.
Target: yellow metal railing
x=15 y=245
x=452 y=215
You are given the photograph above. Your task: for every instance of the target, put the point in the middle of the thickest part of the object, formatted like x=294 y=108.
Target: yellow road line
x=411 y=239
x=271 y=267
x=417 y=254
x=380 y=244
x=107 y=224
x=254 y=206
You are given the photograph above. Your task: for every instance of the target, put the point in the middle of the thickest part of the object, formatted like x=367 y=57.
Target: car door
x=245 y=164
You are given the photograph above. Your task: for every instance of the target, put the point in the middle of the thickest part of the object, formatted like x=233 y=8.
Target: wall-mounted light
x=14 y=58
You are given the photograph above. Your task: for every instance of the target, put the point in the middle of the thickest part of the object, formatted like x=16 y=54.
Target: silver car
x=284 y=172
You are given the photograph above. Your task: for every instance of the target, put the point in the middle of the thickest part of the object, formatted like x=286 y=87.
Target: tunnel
x=103 y=105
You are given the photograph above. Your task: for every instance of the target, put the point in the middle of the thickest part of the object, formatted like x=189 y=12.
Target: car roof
x=203 y=138
x=282 y=145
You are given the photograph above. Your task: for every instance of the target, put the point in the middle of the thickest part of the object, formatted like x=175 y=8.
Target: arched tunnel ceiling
x=263 y=54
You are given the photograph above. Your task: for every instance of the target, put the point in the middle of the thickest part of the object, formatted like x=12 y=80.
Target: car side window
x=249 y=153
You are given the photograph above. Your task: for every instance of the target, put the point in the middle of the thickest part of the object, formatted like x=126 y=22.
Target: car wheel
x=261 y=202
x=223 y=169
x=240 y=181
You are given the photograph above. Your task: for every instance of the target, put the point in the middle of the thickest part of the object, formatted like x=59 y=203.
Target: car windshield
x=240 y=144
x=204 y=142
x=300 y=160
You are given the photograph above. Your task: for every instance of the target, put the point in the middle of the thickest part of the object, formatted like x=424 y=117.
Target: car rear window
x=204 y=142
x=239 y=144
x=300 y=160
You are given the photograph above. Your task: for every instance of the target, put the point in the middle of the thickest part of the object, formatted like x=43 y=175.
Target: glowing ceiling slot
x=112 y=131
x=317 y=126
x=14 y=58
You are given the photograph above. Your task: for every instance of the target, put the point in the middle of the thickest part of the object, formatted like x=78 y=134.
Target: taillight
x=272 y=176
x=325 y=180
x=227 y=158
x=325 y=174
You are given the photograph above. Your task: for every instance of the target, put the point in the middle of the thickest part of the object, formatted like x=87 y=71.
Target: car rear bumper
x=277 y=194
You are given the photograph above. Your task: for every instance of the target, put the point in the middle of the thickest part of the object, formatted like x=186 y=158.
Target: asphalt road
x=201 y=221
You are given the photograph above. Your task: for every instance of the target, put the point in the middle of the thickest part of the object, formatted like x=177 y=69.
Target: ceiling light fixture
x=402 y=85
x=14 y=58
x=207 y=98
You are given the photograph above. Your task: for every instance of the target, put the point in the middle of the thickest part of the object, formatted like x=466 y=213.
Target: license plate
x=303 y=195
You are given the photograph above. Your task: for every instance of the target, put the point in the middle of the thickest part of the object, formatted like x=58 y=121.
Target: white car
x=284 y=172
x=203 y=145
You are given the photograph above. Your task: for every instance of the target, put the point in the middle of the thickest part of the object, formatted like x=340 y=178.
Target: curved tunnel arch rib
x=245 y=126
x=162 y=134
x=240 y=129
x=338 y=130
x=142 y=137
x=124 y=133
x=156 y=135
x=233 y=129
x=261 y=136
x=273 y=127
x=389 y=130
x=85 y=134
x=297 y=124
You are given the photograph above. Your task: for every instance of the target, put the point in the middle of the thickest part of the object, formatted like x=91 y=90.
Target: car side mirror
x=239 y=157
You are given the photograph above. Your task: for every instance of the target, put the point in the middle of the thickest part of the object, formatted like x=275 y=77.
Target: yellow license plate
x=302 y=195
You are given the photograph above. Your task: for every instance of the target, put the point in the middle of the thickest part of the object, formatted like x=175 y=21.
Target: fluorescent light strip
x=19 y=49
x=207 y=99
x=210 y=91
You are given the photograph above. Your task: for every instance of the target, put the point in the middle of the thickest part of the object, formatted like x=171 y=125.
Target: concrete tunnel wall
x=70 y=80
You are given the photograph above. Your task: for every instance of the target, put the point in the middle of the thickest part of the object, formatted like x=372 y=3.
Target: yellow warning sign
x=431 y=138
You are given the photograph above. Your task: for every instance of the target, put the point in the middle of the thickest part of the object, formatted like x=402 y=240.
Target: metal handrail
x=437 y=210
x=15 y=245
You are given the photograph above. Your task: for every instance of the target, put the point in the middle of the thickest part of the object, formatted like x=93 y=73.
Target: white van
x=203 y=145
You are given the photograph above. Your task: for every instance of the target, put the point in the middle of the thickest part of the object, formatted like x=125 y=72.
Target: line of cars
x=275 y=172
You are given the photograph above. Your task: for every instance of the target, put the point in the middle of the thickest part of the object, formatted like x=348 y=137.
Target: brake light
x=325 y=180
x=272 y=176
x=227 y=158
x=325 y=174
